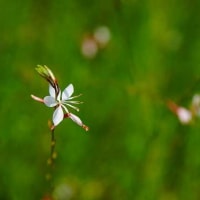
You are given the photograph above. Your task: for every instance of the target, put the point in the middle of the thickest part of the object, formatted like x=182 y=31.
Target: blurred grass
x=136 y=148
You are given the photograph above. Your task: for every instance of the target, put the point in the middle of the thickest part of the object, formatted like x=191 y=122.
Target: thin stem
x=51 y=161
x=53 y=143
x=57 y=89
x=53 y=154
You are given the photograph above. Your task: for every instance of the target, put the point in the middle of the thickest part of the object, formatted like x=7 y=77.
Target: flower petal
x=184 y=115
x=76 y=119
x=52 y=91
x=67 y=92
x=50 y=101
x=37 y=98
x=58 y=115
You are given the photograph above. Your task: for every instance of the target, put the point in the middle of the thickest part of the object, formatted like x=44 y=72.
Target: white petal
x=52 y=91
x=76 y=119
x=58 y=115
x=67 y=92
x=50 y=101
x=184 y=115
x=196 y=100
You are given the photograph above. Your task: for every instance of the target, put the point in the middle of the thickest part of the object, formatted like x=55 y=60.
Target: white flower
x=184 y=115
x=102 y=35
x=89 y=47
x=196 y=105
x=61 y=102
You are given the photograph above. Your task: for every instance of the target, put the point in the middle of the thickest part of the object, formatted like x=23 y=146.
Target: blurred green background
x=136 y=148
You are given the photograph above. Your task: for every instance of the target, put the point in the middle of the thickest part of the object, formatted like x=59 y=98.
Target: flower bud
x=46 y=73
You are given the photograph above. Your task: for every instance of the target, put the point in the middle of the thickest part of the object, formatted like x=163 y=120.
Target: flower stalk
x=61 y=102
x=53 y=154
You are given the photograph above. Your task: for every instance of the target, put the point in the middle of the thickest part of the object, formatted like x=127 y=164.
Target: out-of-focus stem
x=53 y=154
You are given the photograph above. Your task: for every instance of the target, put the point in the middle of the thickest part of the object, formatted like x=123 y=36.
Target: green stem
x=53 y=154
x=51 y=162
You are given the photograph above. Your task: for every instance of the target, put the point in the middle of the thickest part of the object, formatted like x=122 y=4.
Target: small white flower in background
x=196 y=105
x=63 y=191
x=89 y=47
x=102 y=35
x=59 y=101
x=184 y=115
x=95 y=41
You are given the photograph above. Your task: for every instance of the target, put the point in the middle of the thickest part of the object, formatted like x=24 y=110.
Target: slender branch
x=53 y=154
x=51 y=162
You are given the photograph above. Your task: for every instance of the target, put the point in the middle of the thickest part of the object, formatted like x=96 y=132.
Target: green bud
x=46 y=73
